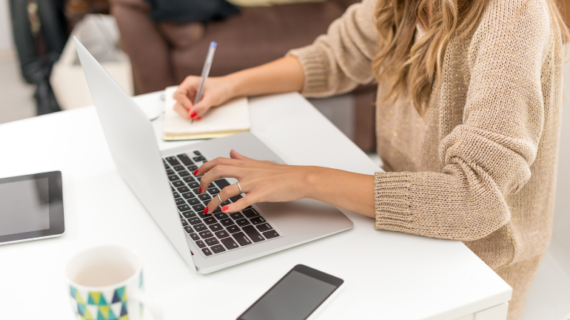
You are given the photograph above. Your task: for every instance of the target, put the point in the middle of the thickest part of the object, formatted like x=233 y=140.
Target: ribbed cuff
x=392 y=201
x=314 y=70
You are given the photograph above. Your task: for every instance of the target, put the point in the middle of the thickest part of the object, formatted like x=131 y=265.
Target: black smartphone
x=300 y=294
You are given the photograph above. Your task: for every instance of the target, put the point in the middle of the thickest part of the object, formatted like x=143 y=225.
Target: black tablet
x=31 y=207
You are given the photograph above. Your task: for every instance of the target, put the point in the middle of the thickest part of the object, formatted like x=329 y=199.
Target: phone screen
x=295 y=296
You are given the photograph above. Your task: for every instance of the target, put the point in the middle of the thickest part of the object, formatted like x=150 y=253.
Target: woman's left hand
x=261 y=181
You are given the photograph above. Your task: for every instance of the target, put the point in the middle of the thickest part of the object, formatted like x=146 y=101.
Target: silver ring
x=220 y=198
x=240 y=192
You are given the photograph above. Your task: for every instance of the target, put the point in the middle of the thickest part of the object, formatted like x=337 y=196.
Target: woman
x=468 y=113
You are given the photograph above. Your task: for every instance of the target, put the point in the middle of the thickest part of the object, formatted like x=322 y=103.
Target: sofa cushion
x=265 y=3
x=256 y=36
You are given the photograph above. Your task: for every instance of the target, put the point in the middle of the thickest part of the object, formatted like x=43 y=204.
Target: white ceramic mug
x=106 y=282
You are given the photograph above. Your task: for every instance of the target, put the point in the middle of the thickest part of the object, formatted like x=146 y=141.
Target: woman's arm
x=282 y=75
x=265 y=181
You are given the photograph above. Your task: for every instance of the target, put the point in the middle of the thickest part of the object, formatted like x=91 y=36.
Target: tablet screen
x=25 y=206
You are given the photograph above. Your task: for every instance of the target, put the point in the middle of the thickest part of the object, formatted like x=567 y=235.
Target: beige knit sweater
x=480 y=165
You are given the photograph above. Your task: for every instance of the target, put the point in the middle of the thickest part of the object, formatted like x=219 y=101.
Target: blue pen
x=205 y=71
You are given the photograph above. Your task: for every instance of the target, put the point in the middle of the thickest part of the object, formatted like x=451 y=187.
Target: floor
x=17 y=96
x=549 y=298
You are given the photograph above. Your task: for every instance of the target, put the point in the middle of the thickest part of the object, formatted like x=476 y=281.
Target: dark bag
x=184 y=11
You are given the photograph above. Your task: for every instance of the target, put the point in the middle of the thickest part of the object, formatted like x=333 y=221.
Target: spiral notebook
x=229 y=118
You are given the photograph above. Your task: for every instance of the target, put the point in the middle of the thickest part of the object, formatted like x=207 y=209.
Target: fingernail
x=225 y=208
x=206 y=210
x=199 y=118
x=196 y=171
x=193 y=114
x=199 y=189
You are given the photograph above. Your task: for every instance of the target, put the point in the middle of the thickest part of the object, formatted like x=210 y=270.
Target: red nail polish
x=196 y=171
x=199 y=118
x=206 y=210
x=193 y=114
x=199 y=189
x=225 y=208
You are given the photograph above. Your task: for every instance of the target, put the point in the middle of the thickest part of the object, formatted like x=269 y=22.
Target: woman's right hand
x=216 y=92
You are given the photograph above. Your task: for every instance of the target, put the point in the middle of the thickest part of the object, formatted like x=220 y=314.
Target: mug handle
x=149 y=304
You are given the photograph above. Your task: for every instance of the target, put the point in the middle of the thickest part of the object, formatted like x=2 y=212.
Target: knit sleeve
x=342 y=59
x=488 y=156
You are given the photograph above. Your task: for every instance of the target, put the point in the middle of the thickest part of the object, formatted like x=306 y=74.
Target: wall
x=6 y=43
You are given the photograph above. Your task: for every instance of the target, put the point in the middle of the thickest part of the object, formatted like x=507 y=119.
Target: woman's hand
x=262 y=181
x=216 y=92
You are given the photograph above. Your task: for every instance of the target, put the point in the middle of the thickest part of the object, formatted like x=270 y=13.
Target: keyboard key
x=193 y=201
x=173 y=178
x=183 y=207
x=263 y=227
x=253 y=234
x=220 y=215
x=204 y=197
x=184 y=173
x=257 y=220
x=210 y=220
x=169 y=171
x=213 y=191
x=188 y=214
x=196 y=190
x=184 y=222
x=183 y=189
x=205 y=234
x=250 y=213
x=196 y=152
x=236 y=215
x=179 y=168
x=200 y=244
x=242 y=222
x=218 y=248
x=198 y=208
x=216 y=227
x=192 y=168
x=195 y=220
x=203 y=215
x=222 y=183
x=222 y=234
x=212 y=241
x=199 y=178
x=188 y=195
x=199 y=158
x=207 y=251
x=232 y=229
x=271 y=234
x=229 y=243
x=188 y=229
x=176 y=194
x=178 y=183
x=227 y=222
x=236 y=198
x=194 y=236
x=241 y=239
x=172 y=160
x=189 y=180
x=200 y=227
x=217 y=210
x=194 y=184
x=185 y=159
x=180 y=201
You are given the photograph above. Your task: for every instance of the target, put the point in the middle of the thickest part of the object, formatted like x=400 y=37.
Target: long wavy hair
x=410 y=68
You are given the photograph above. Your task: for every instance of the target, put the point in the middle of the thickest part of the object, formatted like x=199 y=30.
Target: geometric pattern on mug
x=92 y=305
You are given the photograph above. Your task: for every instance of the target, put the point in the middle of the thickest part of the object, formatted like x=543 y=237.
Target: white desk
x=388 y=275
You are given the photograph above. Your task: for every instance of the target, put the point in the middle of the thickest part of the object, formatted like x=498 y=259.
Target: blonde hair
x=410 y=68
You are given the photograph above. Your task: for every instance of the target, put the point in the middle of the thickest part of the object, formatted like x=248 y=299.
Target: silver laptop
x=164 y=183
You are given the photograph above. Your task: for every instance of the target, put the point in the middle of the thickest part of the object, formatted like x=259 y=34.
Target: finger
x=217 y=172
x=208 y=165
x=181 y=110
x=201 y=107
x=225 y=194
x=241 y=203
x=181 y=96
x=236 y=155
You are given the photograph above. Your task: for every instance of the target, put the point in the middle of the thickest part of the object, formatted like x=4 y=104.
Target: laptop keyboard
x=217 y=232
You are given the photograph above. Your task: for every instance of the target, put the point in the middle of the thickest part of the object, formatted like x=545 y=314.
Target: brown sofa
x=163 y=54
